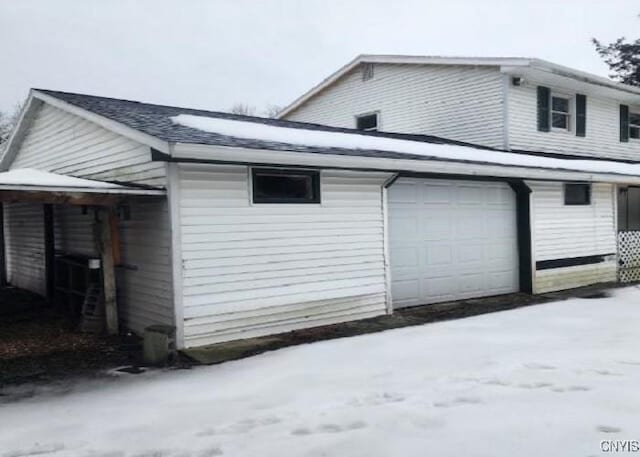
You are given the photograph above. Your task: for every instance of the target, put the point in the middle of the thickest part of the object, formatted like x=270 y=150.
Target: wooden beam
x=49 y=252
x=59 y=198
x=108 y=272
x=3 y=261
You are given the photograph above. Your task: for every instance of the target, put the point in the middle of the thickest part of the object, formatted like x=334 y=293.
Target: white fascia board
x=24 y=121
x=109 y=124
x=198 y=152
x=445 y=60
x=82 y=190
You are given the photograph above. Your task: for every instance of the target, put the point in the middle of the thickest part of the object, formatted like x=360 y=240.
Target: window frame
x=632 y=126
x=315 y=183
x=570 y=113
x=371 y=113
x=589 y=193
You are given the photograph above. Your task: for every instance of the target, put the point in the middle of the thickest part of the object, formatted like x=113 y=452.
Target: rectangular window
x=577 y=194
x=367 y=122
x=560 y=112
x=634 y=125
x=274 y=185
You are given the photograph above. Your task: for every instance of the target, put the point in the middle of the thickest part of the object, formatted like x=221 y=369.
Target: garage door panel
x=436 y=289
x=470 y=253
x=438 y=227
x=406 y=227
x=405 y=261
x=459 y=240
x=468 y=195
x=404 y=192
x=437 y=194
x=469 y=226
x=501 y=280
x=438 y=254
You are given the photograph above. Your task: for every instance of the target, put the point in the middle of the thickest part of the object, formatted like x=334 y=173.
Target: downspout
x=523 y=222
x=505 y=112
x=173 y=203
x=385 y=238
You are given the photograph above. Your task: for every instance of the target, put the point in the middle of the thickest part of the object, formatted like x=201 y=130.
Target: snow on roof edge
x=354 y=141
x=39 y=178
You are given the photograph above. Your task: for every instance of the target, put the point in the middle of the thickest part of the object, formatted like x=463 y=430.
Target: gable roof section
x=156 y=121
x=504 y=63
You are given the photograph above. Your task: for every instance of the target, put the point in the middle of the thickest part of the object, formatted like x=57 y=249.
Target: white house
x=522 y=105
x=233 y=227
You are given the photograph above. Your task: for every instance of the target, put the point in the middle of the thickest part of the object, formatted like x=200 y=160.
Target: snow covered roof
x=188 y=134
x=395 y=147
x=37 y=180
x=501 y=62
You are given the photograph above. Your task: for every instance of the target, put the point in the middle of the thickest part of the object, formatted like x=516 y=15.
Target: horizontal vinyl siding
x=75 y=234
x=561 y=231
x=64 y=143
x=603 y=128
x=24 y=244
x=252 y=270
x=457 y=102
x=145 y=286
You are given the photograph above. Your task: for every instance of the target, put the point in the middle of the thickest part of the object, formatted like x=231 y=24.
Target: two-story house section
x=518 y=104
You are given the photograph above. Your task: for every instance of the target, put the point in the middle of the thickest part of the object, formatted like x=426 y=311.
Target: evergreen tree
x=623 y=58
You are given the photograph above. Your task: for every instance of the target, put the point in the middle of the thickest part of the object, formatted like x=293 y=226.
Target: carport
x=106 y=199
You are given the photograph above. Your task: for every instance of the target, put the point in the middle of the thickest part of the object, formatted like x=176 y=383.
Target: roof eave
x=184 y=152
x=83 y=190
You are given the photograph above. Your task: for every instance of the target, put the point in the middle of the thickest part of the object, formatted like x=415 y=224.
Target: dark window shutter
x=581 y=115
x=624 y=123
x=544 y=95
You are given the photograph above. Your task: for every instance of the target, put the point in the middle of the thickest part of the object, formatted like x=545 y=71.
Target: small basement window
x=367 y=122
x=274 y=185
x=577 y=194
x=634 y=125
x=560 y=112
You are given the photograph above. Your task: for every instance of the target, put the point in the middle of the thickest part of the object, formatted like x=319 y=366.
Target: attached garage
x=451 y=240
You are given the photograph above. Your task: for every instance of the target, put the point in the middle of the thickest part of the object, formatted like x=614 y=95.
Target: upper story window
x=560 y=112
x=368 y=122
x=634 y=125
x=277 y=185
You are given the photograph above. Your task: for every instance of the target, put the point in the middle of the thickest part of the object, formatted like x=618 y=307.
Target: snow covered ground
x=552 y=379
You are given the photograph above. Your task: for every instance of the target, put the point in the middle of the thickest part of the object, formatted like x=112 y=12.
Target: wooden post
x=115 y=237
x=49 y=252
x=108 y=272
x=3 y=261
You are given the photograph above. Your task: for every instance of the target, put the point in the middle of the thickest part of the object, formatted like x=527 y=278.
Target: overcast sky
x=212 y=54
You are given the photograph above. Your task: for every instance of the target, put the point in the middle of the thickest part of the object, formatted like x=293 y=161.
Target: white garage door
x=451 y=240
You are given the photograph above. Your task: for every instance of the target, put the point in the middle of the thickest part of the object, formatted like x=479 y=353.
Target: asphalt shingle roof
x=155 y=120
